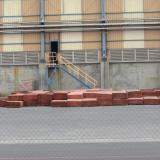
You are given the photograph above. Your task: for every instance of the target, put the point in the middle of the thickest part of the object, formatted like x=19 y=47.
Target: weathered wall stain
x=17 y=78
x=135 y=75
x=122 y=76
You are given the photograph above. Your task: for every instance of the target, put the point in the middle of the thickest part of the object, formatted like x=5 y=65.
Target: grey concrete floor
x=131 y=132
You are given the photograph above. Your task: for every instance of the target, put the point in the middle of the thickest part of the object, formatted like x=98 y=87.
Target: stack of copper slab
x=135 y=97
x=82 y=98
x=120 y=98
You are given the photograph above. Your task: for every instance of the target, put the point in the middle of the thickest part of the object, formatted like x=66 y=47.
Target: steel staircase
x=75 y=72
x=79 y=74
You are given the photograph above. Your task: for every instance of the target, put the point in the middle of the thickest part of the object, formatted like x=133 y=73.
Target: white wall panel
x=73 y=39
x=133 y=39
x=133 y=6
x=71 y=7
x=12 y=42
x=137 y=36
x=12 y=8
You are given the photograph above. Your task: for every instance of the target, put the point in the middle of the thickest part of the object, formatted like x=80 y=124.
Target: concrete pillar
x=43 y=71
x=59 y=79
x=103 y=74
x=105 y=79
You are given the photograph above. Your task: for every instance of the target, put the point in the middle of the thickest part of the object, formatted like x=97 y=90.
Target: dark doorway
x=54 y=51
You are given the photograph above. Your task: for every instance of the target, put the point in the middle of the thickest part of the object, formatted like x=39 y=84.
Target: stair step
x=78 y=73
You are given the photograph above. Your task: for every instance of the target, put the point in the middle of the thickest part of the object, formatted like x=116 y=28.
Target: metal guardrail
x=134 y=55
x=51 y=59
x=32 y=58
x=85 y=56
x=19 y=58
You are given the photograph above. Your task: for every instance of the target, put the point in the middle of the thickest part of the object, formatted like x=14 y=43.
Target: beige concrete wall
x=1 y=11
x=53 y=7
x=90 y=40
x=115 y=6
x=29 y=40
x=115 y=39
x=151 y=5
x=1 y=41
x=90 y=7
x=30 y=7
x=152 y=35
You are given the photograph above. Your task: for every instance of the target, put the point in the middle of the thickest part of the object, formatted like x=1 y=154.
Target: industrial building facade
x=115 y=41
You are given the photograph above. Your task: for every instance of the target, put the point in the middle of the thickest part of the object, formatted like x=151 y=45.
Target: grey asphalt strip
x=120 y=132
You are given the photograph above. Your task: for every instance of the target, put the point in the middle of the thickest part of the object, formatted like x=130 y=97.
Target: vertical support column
x=104 y=45
x=42 y=17
x=42 y=67
x=104 y=64
x=104 y=37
